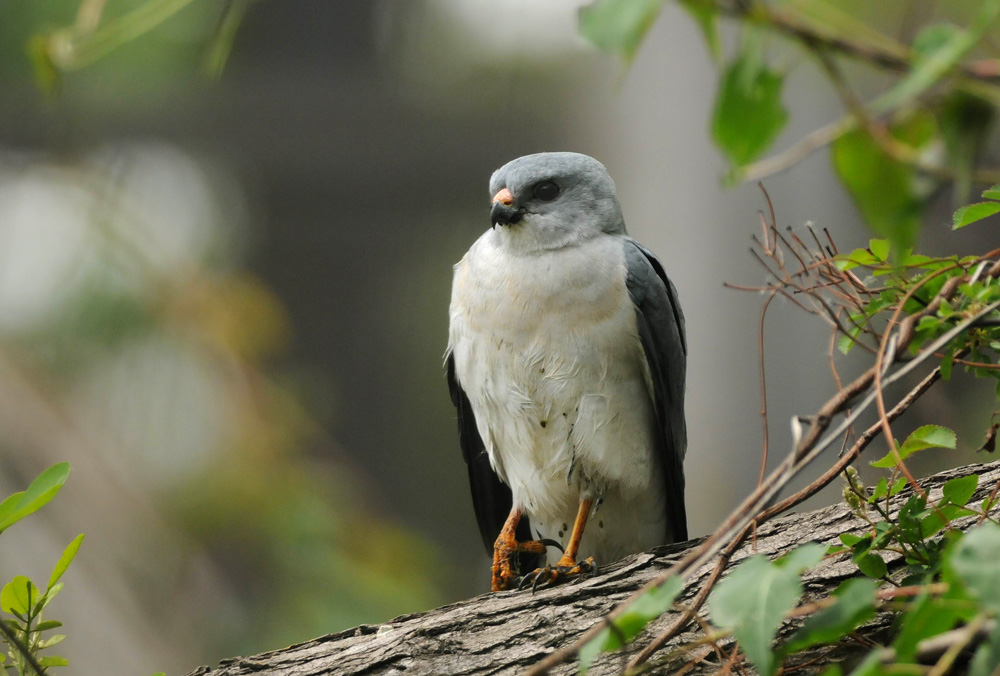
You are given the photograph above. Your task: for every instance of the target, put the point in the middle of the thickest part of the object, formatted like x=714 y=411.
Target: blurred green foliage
x=99 y=42
x=126 y=295
x=891 y=153
x=748 y=112
x=176 y=352
x=888 y=192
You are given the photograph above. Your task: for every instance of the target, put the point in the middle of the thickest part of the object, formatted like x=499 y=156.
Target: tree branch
x=886 y=53
x=508 y=632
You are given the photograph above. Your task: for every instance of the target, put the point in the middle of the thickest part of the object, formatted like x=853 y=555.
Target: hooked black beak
x=505 y=215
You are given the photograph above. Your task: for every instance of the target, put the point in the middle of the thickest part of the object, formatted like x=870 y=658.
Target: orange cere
x=504 y=197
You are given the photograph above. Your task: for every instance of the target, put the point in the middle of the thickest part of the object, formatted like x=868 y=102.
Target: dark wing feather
x=491 y=498
x=661 y=330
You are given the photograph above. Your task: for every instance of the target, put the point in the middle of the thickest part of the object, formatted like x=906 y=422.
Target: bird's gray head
x=552 y=200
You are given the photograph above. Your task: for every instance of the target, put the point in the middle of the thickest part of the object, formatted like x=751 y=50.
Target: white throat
x=526 y=238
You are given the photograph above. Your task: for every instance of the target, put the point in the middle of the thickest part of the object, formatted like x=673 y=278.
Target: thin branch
x=886 y=53
x=763 y=388
x=688 y=614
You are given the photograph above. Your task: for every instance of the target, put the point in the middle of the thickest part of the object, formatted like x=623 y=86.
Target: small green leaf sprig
x=26 y=633
x=915 y=281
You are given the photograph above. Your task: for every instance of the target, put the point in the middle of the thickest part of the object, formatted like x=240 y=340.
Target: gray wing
x=661 y=330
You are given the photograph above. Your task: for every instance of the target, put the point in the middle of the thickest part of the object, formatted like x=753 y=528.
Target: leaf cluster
x=958 y=586
x=940 y=291
x=26 y=633
x=931 y=573
x=891 y=153
x=949 y=577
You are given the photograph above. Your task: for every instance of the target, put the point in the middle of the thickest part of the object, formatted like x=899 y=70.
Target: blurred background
x=223 y=294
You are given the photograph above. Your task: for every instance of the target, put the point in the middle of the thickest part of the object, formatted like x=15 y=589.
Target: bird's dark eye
x=546 y=191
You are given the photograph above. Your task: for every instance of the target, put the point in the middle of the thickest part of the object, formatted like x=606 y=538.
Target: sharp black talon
x=525 y=580
x=553 y=543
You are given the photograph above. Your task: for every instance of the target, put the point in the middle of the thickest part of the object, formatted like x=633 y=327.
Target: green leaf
x=850 y=539
x=10 y=504
x=845 y=344
x=927 y=616
x=899 y=485
x=986 y=505
x=748 y=113
x=934 y=37
x=870 y=666
x=884 y=533
x=931 y=436
x=646 y=608
x=872 y=565
x=965 y=121
x=880 y=491
x=855 y=605
x=855 y=258
x=993 y=193
x=50 y=594
x=46 y=625
x=959 y=491
x=53 y=661
x=974 y=561
x=38 y=494
x=43 y=67
x=879 y=248
x=223 y=37
x=618 y=26
x=19 y=596
x=47 y=597
x=755 y=597
x=55 y=639
x=974 y=212
x=922 y=438
x=707 y=19
x=67 y=558
x=909 y=519
x=947 y=363
x=883 y=189
x=939 y=518
x=939 y=51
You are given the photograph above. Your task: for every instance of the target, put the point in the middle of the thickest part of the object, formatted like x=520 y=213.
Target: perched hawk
x=566 y=360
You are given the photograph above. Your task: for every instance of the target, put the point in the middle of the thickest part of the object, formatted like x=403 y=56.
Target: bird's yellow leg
x=567 y=566
x=568 y=559
x=505 y=550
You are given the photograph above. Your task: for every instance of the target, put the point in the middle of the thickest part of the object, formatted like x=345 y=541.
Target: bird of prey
x=566 y=361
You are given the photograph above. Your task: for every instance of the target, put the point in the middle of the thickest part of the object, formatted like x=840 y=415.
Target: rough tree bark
x=507 y=632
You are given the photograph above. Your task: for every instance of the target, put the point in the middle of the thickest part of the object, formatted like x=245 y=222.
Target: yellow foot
x=505 y=553
x=563 y=570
